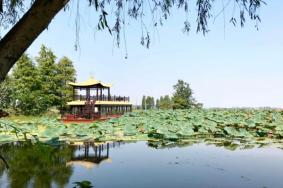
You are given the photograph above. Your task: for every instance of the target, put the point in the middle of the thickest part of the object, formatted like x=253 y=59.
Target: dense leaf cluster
x=148 y=103
x=155 y=125
x=36 y=165
x=165 y=102
x=37 y=87
x=183 y=96
x=5 y=92
x=156 y=10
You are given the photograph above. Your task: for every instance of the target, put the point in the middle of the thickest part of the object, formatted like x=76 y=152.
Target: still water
x=138 y=165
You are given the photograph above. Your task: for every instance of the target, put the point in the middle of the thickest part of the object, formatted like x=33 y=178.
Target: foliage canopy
x=183 y=96
x=156 y=125
x=5 y=95
x=158 y=10
x=35 y=15
x=38 y=87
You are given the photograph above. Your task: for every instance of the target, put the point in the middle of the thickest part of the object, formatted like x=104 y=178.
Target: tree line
x=36 y=85
x=182 y=99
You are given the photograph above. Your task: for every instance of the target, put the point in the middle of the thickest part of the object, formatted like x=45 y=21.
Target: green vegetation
x=83 y=184
x=39 y=14
x=165 y=102
x=37 y=165
x=183 y=96
x=148 y=103
x=65 y=73
x=182 y=99
x=5 y=95
x=27 y=96
x=155 y=125
x=157 y=104
x=35 y=88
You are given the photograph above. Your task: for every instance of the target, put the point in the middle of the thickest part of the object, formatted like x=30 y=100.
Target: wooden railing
x=102 y=98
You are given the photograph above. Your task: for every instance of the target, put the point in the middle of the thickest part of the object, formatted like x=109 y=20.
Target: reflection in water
x=40 y=165
x=229 y=144
x=88 y=155
x=43 y=166
x=37 y=165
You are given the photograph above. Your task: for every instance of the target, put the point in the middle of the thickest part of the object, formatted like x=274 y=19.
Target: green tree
x=47 y=70
x=37 y=165
x=165 y=102
x=65 y=73
x=28 y=18
x=149 y=102
x=5 y=94
x=152 y=103
x=161 y=100
x=183 y=96
x=5 y=98
x=144 y=102
x=157 y=105
x=27 y=96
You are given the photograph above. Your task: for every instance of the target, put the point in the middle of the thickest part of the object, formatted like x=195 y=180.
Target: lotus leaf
x=164 y=125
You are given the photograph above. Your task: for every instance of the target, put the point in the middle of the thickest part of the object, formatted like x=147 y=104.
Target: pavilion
x=92 y=99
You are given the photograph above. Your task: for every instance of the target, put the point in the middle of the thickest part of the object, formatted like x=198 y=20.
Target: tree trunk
x=25 y=31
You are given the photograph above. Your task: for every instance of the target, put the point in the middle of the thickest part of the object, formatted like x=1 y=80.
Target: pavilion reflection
x=90 y=154
x=41 y=165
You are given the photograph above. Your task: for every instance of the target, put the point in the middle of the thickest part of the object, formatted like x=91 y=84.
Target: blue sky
x=231 y=67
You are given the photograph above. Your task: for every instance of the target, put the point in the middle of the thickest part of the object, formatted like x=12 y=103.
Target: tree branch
x=27 y=29
x=5 y=162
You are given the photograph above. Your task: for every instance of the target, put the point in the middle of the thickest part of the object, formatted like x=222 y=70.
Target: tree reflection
x=38 y=165
x=2 y=167
x=229 y=144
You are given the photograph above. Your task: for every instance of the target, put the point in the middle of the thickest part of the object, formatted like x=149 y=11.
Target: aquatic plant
x=154 y=125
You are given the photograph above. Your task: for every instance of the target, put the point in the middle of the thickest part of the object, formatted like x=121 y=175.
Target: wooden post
x=73 y=93
x=87 y=93
x=107 y=154
x=109 y=98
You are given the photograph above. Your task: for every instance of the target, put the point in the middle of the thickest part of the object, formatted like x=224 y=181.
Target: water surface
x=122 y=165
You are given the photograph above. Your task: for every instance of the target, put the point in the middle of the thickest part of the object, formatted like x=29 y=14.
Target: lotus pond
x=181 y=148
x=246 y=124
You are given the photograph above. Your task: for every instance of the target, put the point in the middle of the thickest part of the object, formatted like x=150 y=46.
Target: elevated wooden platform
x=90 y=103
x=69 y=118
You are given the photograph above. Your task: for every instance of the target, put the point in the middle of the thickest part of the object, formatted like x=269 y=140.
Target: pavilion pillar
x=100 y=93
x=109 y=98
x=87 y=93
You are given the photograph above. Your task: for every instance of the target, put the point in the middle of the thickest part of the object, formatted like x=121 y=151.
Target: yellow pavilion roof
x=90 y=82
x=80 y=103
